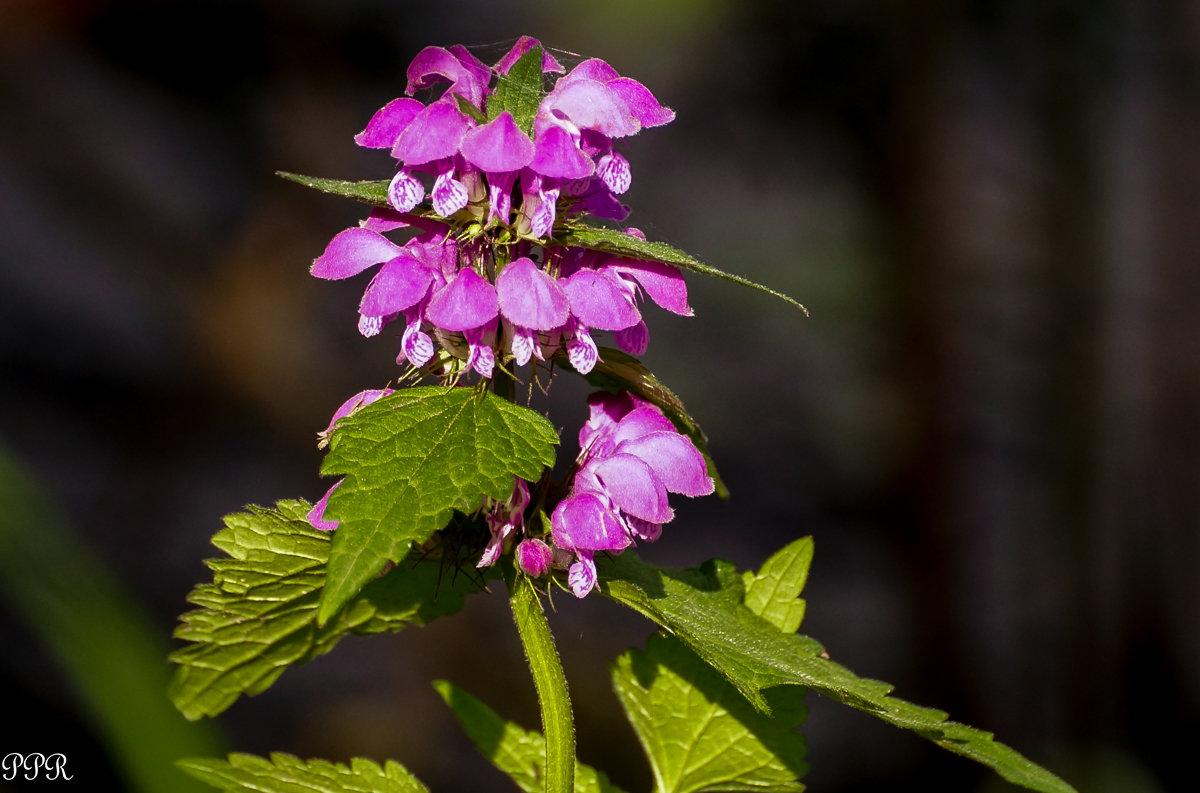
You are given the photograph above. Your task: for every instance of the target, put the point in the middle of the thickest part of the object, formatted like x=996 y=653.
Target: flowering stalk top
x=485 y=176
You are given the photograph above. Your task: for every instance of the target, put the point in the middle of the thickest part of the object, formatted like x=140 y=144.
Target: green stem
x=550 y=682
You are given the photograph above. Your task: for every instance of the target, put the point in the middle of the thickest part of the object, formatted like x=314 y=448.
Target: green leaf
x=259 y=616
x=285 y=773
x=616 y=371
x=468 y=109
x=773 y=593
x=519 y=753
x=699 y=732
x=704 y=608
x=519 y=92
x=410 y=460
x=374 y=193
x=621 y=244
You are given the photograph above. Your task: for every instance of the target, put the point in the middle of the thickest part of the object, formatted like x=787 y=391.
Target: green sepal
x=259 y=615
x=519 y=753
x=285 y=773
x=519 y=92
x=617 y=370
x=409 y=461
x=705 y=608
x=619 y=243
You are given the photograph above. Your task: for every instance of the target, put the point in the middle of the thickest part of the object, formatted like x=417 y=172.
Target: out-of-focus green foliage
x=98 y=636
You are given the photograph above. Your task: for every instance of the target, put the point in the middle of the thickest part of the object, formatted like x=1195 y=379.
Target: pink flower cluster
x=454 y=284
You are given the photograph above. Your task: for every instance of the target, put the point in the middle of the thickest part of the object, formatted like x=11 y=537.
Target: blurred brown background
x=989 y=424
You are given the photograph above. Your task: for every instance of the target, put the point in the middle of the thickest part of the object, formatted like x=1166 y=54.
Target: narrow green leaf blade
x=519 y=753
x=259 y=615
x=699 y=732
x=704 y=607
x=621 y=244
x=617 y=370
x=409 y=461
x=519 y=92
x=374 y=193
x=285 y=773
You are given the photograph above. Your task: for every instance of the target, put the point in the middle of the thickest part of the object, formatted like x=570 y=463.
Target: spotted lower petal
x=405 y=191
x=582 y=351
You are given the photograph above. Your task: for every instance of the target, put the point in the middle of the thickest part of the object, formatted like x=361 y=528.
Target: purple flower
x=632 y=456
x=316 y=515
x=504 y=519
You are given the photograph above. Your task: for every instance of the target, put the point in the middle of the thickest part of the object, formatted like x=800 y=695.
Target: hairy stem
x=557 y=723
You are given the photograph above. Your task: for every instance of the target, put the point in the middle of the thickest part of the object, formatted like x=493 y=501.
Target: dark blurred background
x=989 y=424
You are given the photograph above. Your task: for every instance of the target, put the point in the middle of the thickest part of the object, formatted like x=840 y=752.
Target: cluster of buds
x=484 y=195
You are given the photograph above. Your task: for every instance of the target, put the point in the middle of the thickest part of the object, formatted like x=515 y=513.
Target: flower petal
x=590 y=104
x=465 y=303
x=634 y=487
x=613 y=170
x=634 y=339
x=354 y=403
x=582 y=575
x=674 y=459
x=663 y=282
x=498 y=146
x=530 y=298
x=582 y=351
x=641 y=102
x=405 y=191
x=316 y=515
x=524 y=45
x=351 y=251
x=434 y=134
x=591 y=69
x=642 y=420
x=599 y=300
x=399 y=284
x=583 y=521
x=388 y=122
x=556 y=154
x=437 y=64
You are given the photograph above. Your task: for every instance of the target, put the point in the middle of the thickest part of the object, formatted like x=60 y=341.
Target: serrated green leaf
x=519 y=92
x=409 y=461
x=519 y=753
x=773 y=593
x=259 y=616
x=374 y=193
x=704 y=608
x=285 y=773
x=621 y=244
x=699 y=732
x=617 y=370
